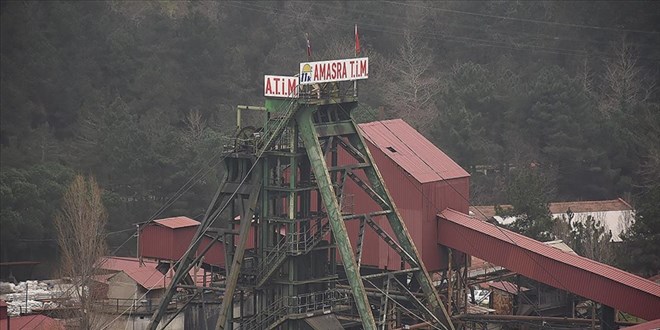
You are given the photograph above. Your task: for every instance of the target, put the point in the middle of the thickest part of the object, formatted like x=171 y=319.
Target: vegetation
x=80 y=229
x=141 y=95
x=641 y=253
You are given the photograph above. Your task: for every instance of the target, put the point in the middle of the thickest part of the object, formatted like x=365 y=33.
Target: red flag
x=309 y=46
x=357 y=42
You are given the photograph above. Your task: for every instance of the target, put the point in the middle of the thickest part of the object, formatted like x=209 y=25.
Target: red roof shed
x=32 y=322
x=168 y=239
x=3 y=309
x=422 y=181
x=584 y=277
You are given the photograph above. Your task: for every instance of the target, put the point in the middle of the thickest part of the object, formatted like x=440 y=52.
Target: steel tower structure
x=283 y=187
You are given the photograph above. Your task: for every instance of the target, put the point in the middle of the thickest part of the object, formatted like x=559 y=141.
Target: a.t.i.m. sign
x=334 y=70
x=280 y=86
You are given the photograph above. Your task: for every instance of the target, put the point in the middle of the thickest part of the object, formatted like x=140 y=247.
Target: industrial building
x=430 y=191
x=322 y=223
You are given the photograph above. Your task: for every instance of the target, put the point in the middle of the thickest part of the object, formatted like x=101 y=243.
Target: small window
x=391 y=149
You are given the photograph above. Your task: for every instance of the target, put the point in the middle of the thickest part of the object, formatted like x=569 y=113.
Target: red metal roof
x=651 y=325
x=507 y=287
x=177 y=222
x=146 y=274
x=485 y=212
x=32 y=322
x=590 y=279
x=118 y=264
x=590 y=206
x=411 y=150
x=149 y=278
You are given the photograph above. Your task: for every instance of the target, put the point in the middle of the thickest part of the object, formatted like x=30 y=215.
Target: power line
x=468 y=201
x=172 y=199
x=436 y=36
x=462 y=197
x=204 y=230
x=527 y=20
x=539 y=35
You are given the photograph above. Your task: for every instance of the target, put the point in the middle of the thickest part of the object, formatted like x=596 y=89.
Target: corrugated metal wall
x=156 y=242
x=163 y=243
x=418 y=205
x=535 y=260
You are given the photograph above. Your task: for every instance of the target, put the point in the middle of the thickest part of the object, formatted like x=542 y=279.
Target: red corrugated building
x=421 y=178
x=541 y=262
x=3 y=310
x=168 y=239
x=31 y=322
x=422 y=181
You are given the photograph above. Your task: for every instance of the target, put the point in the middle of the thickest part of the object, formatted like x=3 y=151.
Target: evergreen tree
x=641 y=243
x=528 y=192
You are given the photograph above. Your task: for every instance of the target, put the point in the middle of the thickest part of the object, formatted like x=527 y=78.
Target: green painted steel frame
x=335 y=130
x=401 y=232
x=317 y=159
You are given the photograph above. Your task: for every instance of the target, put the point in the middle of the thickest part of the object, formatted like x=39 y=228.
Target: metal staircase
x=276 y=125
x=290 y=178
x=300 y=306
x=293 y=244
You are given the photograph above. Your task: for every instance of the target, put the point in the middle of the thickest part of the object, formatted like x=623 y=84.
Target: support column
x=320 y=168
x=232 y=278
x=402 y=234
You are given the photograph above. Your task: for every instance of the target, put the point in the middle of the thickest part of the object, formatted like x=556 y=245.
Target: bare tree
x=586 y=235
x=80 y=227
x=625 y=83
x=195 y=126
x=411 y=91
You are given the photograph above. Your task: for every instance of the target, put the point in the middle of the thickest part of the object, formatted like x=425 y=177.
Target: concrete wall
x=140 y=322
x=121 y=286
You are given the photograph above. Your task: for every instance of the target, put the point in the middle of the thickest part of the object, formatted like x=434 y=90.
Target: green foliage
x=108 y=88
x=30 y=198
x=470 y=126
x=641 y=243
x=528 y=193
x=587 y=236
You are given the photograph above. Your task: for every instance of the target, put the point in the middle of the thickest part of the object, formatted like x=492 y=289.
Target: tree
x=528 y=192
x=80 y=227
x=625 y=83
x=410 y=93
x=586 y=235
x=641 y=243
x=29 y=201
x=464 y=127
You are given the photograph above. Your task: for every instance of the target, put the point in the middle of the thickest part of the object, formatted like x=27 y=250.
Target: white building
x=615 y=215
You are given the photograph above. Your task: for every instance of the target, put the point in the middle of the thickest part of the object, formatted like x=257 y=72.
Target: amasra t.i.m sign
x=334 y=70
x=280 y=86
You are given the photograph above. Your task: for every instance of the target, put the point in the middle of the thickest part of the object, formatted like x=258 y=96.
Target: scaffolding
x=285 y=182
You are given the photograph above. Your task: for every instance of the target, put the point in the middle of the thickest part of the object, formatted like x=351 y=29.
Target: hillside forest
x=561 y=96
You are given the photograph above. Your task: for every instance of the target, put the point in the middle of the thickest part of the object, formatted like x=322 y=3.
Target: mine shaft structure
x=281 y=214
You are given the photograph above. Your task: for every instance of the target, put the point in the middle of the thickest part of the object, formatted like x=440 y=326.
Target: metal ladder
x=277 y=123
x=295 y=244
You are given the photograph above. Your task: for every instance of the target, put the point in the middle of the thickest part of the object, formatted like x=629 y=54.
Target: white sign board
x=334 y=70
x=280 y=86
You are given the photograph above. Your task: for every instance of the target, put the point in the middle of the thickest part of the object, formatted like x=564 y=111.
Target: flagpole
x=309 y=48
x=357 y=44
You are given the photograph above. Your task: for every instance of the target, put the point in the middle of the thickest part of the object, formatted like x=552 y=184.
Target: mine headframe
x=290 y=249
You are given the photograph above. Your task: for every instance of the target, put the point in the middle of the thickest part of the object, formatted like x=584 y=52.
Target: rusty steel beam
x=402 y=234
x=235 y=269
x=326 y=190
